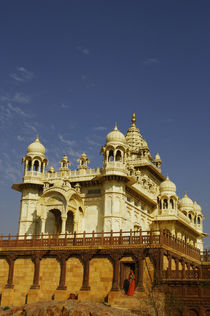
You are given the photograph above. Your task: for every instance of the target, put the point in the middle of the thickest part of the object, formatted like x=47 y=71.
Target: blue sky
x=70 y=69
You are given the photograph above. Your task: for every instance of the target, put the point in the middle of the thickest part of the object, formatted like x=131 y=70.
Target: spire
x=115 y=127
x=133 y=119
x=37 y=138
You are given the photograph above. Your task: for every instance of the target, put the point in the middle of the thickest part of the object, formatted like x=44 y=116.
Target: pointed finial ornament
x=133 y=119
x=167 y=178
x=115 y=126
x=37 y=137
x=185 y=194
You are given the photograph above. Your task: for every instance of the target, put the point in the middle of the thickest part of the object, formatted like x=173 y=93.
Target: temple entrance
x=125 y=267
x=70 y=222
x=53 y=222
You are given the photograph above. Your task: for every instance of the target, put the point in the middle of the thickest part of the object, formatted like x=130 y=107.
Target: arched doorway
x=53 y=222
x=70 y=222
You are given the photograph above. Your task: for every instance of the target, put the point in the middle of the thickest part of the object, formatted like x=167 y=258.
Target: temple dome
x=186 y=202
x=115 y=136
x=36 y=147
x=167 y=186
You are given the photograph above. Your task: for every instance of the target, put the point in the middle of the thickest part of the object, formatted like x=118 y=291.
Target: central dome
x=115 y=136
x=36 y=147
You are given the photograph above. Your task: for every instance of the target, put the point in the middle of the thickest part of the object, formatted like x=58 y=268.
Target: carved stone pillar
x=139 y=272
x=63 y=227
x=86 y=262
x=11 y=261
x=36 y=260
x=62 y=259
x=43 y=221
x=116 y=265
x=177 y=268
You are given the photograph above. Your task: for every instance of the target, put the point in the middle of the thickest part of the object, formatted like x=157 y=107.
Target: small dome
x=167 y=186
x=51 y=170
x=36 y=147
x=115 y=136
x=196 y=207
x=186 y=202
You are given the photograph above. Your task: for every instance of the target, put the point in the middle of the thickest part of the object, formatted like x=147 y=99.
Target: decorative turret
x=115 y=151
x=34 y=161
x=83 y=161
x=65 y=163
x=158 y=161
x=168 y=198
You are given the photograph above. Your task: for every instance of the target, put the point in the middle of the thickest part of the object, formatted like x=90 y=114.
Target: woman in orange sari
x=131 y=280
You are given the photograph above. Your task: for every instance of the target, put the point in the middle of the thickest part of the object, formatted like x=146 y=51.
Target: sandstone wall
x=22 y=280
x=4 y=269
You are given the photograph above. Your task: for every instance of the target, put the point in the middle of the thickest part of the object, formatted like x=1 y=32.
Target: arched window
x=36 y=165
x=194 y=220
x=118 y=156
x=172 y=203
x=190 y=216
x=111 y=155
x=165 y=203
x=29 y=165
x=199 y=220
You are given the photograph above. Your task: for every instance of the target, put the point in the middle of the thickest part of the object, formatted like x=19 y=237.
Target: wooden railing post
x=102 y=237
x=140 y=237
x=131 y=237
x=111 y=237
x=1 y=240
x=41 y=239
x=120 y=239
x=17 y=237
x=57 y=240
x=151 y=237
x=93 y=238
x=9 y=239
x=33 y=240
x=49 y=239
x=65 y=239
x=75 y=239
x=83 y=239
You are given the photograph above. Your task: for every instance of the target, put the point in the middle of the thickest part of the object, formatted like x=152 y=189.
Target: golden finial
x=115 y=126
x=37 y=137
x=133 y=119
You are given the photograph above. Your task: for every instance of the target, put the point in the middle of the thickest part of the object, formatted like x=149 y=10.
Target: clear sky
x=70 y=69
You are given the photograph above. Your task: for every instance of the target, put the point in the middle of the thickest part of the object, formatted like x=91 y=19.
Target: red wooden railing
x=140 y=238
